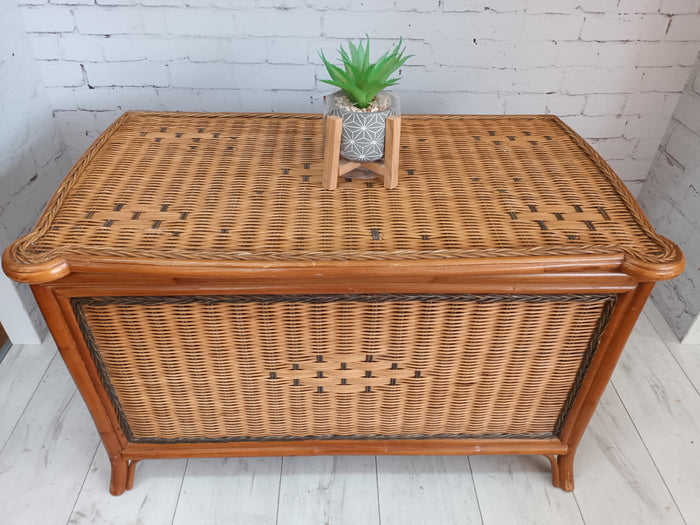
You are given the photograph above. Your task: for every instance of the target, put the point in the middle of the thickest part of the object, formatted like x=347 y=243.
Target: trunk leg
x=117 y=485
x=555 y=468
x=130 y=474
x=566 y=471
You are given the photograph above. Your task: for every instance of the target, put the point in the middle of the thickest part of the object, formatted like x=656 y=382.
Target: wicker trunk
x=210 y=298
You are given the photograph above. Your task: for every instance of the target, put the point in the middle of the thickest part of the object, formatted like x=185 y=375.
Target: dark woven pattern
x=228 y=368
x=248 y=187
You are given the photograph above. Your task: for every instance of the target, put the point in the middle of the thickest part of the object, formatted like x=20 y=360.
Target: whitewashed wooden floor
x=638 y=463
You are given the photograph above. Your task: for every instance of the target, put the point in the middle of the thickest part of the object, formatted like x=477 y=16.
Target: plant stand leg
x=391 y=152
x=331 y=152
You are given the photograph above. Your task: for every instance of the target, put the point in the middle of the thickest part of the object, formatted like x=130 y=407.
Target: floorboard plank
x=20 y=373
x=518 y=490
x=152 y=501
x=615 y=478
x=47 y=457
x=665 y=408
x=426 y=489
x=687 y=356
x=229 y=490
x=327 y=490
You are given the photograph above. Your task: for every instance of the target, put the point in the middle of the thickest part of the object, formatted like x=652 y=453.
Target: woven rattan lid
x=247 y=187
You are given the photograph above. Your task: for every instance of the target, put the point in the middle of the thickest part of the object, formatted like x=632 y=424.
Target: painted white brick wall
x=613 y=70
x=33 y=159
x=671 y=198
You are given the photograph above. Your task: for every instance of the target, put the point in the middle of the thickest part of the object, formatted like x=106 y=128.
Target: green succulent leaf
x=359 y=79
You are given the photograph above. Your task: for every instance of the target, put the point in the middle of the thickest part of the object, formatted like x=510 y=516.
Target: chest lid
x=247 y=188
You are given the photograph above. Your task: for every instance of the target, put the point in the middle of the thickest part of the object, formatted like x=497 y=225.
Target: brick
x=617 y=54
x=219 y=4
x=638 y=6
x=80 y=47
x=200 y=22
x=465 y=26
x=59 y=73
x=451 y=79
x=665 y=79
x=679 y=6
x=372 y=5
x=32 y=2
x=646 y=149
x=682 y=145
x=163 y=3
x=126 y=74
x=601 y=81
x=552 y=27
x=530 y=81
x=417 y=5
x=594 y=6
x=248 y=50
x=502 y=6
x=614 y=149
x=646 y=126
x=297 y=102
x=122 y=49
x=173 y=99
x=73 y=2
x=326 y=4
x=563 y=105
x=212 y=49
x=596 y=127
x=486 y=25
x=278 y=23
x=451 y=103
x=288 y=51
x=631 y=169
x=631 y=27
x=552 y=6
x=659 y=53
x=599 y=105
x=688 y=112
x=62 y=98
x=576 y=54
x=684 y=27
x=45 y=46
x=689 y=54
x=118 y=20
x=47 y=19
x=526 y=104
x=255 y=100
x=241 y=76
x=273 y=76
x=650 y=103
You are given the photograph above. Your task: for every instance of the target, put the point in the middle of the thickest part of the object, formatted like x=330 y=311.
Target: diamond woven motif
x=363 y=136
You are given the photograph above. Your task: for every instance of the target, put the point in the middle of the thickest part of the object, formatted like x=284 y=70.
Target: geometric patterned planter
x=362 y=138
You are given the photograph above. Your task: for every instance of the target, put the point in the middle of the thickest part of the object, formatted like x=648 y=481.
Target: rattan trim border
x=78 y=302
x=21 y=251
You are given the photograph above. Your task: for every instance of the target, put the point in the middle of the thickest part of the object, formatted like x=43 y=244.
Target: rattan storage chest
x=210 y=298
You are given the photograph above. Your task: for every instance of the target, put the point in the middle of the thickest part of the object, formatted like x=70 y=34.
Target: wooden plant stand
x=334 y=166
x=211 y=298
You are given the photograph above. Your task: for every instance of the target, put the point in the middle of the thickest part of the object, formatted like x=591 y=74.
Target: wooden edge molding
x=33 y=273
x=646 y=271
x=347 y=447
x=424 y=269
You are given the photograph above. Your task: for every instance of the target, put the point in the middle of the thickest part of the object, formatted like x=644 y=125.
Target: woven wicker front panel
x=227 y=187
x=252 y=367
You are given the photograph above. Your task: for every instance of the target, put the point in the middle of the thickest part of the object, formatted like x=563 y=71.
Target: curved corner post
x=619 y=328
x=58 y=318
